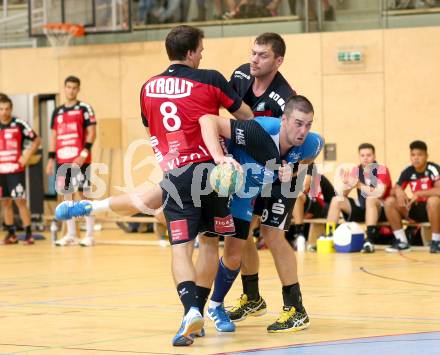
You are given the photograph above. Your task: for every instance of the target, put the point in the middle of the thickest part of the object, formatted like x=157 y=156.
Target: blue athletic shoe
x=221 y=319
x=69 y=209
x=192 y=324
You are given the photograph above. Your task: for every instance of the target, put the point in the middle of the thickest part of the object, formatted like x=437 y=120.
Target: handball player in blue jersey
x=260 y=145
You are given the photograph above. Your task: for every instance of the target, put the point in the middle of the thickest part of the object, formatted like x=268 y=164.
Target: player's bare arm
x=52 y=146
x=212 y=128
x=243 y=113
x=30 y=151
x=221 y=125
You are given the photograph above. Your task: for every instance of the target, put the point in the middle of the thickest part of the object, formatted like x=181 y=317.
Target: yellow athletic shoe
x=290 y=320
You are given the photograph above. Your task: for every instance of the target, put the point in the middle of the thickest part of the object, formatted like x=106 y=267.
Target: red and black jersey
x=370 y=177
x=272 y=102
x=12 y=142
x=171 y=105
x=70 y=124
x=420 y=181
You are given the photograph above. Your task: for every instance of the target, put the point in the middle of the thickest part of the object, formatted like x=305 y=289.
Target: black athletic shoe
x=246 y=308
x=435 y=246
x=368 y=247
x=398 y=246
x=290 y=320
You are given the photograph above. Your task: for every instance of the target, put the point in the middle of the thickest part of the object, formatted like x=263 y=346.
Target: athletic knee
x=371 y=202
x=338 y=201
x=232 y=260
x=433 y=203
x=208 y=244
x=390 y=203
x=7 y=202
x=20 y=202
x=272 y=236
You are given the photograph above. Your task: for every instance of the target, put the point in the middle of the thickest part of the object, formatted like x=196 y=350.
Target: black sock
x=299 y=229
x=202 y=294
x=292 y=297
x=28 y=231
x=372 y=233
x=10 y=229
x=250 y=286
x=187 y=294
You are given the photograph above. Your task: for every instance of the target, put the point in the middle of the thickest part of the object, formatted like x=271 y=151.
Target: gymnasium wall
x=389 y=100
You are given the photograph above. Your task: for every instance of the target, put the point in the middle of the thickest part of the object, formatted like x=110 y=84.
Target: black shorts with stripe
x=190 y=208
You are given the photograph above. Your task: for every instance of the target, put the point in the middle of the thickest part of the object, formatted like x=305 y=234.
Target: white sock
x=213 y=304
x=101 y=205
x=436 y=237
x=400 y=235
x=71 y=227
x=90 y=222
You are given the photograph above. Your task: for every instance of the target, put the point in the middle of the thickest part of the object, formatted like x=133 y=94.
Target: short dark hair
x=5 y=99
x=367 y=146
x=298 y=102
x=72 y=79
x=418 y=145
x=275 y=41
x=182 y=39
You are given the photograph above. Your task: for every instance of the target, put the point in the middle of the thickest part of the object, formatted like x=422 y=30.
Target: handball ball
x=225 y=179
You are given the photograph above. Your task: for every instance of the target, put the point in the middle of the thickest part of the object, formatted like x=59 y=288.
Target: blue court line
x=403 y=344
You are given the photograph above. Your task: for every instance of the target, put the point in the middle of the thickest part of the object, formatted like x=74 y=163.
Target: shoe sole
x=258 y=313
x=290 y=330
x=183 y=341
x=66 y=245
x=195 y=326
x=86 y=245
x=398 y=251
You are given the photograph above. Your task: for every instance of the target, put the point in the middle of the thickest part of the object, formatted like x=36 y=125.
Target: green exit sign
x=350 y=56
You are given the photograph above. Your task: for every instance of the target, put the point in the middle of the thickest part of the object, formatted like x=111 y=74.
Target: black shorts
x=358 y=213
x=71 y=178
x=275 y=211
x=13 y=185
x=418 y=212
x=189 y=213
x=313 y=207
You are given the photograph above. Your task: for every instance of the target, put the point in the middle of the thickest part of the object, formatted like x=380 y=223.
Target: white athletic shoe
x=87 y=241
x=67 y=240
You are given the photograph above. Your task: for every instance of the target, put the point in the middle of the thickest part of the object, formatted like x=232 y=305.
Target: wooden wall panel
x=139 y=61
x=370 y=42
x=98 y=67
x=28 y=70
x=353 y=111
x=302 y=69
x=412 y=77
x=226 y=54
x=138 y=151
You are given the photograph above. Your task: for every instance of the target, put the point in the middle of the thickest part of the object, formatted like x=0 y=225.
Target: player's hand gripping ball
x=226 y=179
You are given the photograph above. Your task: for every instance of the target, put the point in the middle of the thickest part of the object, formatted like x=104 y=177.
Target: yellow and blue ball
x=225 y=179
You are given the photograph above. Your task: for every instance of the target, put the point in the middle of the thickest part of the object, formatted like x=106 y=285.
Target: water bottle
x=53 y=231
x=300 y=243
